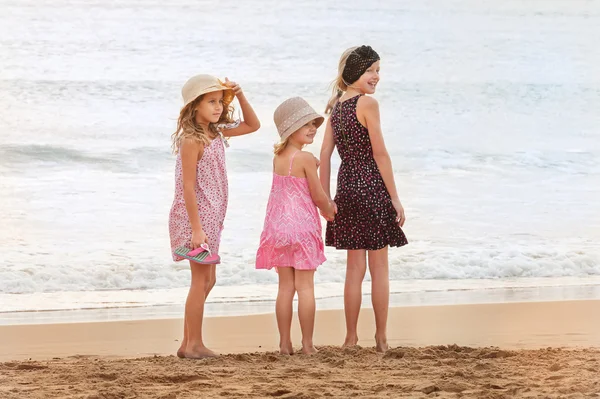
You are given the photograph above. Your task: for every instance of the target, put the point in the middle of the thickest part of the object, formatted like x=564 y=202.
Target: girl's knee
x=211 y=281
x=303 y=286
x=304 y=279
x=356 y=270
x=379 y=270
x=286 y=285
x=287 y=290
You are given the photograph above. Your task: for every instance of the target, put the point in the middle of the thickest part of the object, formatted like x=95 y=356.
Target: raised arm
x=191 y=151
x=250 y=122
x=325 y=159
x=368 y=110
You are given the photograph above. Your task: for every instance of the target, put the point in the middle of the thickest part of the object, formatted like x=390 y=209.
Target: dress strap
x=291 y=162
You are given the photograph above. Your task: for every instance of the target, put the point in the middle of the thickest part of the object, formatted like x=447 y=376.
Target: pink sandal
x=200 y=255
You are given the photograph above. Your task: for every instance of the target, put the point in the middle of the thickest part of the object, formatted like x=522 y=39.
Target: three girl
x=365 y=217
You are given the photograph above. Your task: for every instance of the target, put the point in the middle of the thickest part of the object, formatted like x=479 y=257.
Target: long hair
x=279 y=147
x=338 y=86
x=187 y=127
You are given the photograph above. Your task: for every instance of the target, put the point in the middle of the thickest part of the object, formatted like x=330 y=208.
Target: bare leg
x=356 y=268
x=194 y=312
x=284 y=309
x=181 y=350
x=305 y=287
x=211 y=280
x=380 y=295
x=211 y=283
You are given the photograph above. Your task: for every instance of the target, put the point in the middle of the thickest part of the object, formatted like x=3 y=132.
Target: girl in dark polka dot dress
x=201 y=191
x=369 y=213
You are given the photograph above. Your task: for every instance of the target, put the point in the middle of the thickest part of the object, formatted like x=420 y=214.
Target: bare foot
x=309 y=350
x=286 y=349
x=201 y=352
x=181 y=350
x=381 y=345
x=350 y=341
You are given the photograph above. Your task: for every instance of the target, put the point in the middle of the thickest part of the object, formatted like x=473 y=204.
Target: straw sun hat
x=292 y=114
x=202 y=84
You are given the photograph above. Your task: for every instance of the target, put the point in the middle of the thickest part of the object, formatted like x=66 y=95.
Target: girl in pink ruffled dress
x=291 y=240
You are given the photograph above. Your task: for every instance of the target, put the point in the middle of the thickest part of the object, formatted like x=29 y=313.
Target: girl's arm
x=318 y=195
x=368 y=110
x=191 y=151
x=326 y=151
x=250 y=123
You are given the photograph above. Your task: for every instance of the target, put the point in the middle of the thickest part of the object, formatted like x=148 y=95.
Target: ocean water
x=489 y=111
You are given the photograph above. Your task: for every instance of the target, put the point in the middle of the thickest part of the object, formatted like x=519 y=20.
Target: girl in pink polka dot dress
x=200 y=203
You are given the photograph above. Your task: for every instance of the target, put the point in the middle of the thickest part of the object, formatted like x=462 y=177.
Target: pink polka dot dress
x=292 y=235
x=211 y=198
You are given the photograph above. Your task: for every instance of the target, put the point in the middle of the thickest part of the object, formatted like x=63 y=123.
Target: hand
x=330 y=216
x=400 y=217
x=198 y=238
x=233 y=86
x=317 y=161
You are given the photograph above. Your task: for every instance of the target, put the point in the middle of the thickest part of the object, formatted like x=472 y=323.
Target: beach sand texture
x=435 y=371
x=549 y=349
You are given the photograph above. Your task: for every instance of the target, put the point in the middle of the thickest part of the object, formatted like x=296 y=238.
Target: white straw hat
x=202 y=84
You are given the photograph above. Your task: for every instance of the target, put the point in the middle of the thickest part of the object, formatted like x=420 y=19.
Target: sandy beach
x=536 y=349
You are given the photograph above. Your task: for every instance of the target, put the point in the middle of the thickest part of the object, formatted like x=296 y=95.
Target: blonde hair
x=279 y=147
x=338 y=85
x=187 y=127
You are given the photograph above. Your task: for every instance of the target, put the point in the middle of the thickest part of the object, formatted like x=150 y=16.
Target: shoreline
x=516 y=325
x=218 y=308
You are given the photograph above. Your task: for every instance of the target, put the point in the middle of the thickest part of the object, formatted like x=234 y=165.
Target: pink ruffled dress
x=291 y=235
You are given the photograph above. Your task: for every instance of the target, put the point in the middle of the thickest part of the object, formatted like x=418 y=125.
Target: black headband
x=358 y=62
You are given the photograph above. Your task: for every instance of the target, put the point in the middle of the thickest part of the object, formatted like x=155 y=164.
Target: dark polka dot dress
x=366 y=218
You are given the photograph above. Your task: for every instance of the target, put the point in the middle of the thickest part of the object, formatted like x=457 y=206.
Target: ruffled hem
x=394 y=237
x=296 y=256
x=365 y=247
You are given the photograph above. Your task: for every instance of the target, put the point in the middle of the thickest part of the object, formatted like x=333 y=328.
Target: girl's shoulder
x=305 y=158
x=367 y=105
x=365 y=101
x=190 y=144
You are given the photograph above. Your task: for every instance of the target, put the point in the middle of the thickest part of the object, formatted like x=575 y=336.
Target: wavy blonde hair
x=338 y=86
x=279 y=147
x=187 y=127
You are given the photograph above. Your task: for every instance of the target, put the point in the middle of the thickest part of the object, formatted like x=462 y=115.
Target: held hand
x=233 y=86
x=330 y=215
x=317 y=161
x=400 y=217
x=198 y=238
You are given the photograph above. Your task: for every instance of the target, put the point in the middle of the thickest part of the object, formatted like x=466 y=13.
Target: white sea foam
x=489 y=112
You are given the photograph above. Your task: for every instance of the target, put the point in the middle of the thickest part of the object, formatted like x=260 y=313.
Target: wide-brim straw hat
x=292 y=114
x=202 y=84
